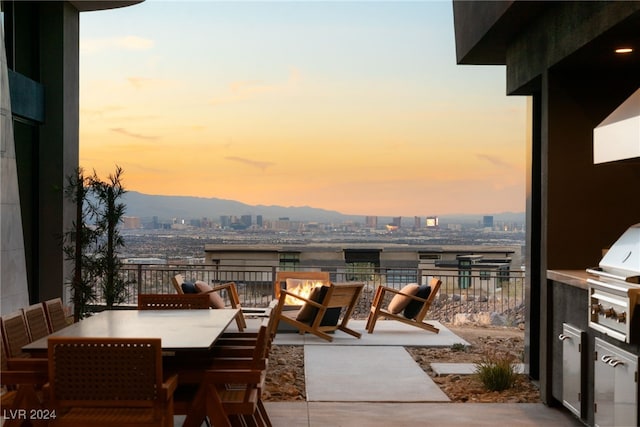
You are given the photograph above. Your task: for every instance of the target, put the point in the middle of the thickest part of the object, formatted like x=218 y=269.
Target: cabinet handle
x=606 y=359
x=615 y=362
x=563 y=337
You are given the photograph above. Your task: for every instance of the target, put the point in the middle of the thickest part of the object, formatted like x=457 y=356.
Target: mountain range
x=147 y=206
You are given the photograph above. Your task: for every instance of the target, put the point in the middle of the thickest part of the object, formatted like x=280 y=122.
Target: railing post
x=139 y=279
x=274 y=270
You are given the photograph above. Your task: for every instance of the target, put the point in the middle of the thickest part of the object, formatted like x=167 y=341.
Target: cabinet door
x=571 y=338
x=603 y=393
x=615 y=386
x=625 y=404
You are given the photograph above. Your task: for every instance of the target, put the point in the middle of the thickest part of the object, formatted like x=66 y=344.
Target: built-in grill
x=614 y=291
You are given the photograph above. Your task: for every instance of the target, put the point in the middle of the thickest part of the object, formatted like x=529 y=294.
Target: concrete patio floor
x=373 y=381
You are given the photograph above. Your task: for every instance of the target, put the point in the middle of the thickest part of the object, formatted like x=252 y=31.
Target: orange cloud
x=133 y=135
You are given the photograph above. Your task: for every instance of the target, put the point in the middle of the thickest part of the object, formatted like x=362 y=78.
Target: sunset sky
x=357 y=107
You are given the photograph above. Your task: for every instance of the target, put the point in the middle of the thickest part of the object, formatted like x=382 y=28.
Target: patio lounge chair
x=406 y=306
x=216 y=299
x=311 y=316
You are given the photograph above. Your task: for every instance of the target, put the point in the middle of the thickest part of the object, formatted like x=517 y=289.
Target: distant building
x=225 y=221
x=131 y=223
x=397 y=221
x=431 y=222
x=417 y=223
x=246 y=220
x=146 y=260
x=259 y=222
x=371 y=222
x=358 y=261
x=487 y=221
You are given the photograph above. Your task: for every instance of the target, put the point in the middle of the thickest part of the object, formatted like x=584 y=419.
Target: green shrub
x=496 y=372
x=458 y=346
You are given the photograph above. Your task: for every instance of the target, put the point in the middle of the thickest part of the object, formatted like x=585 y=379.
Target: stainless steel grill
x=614 y=291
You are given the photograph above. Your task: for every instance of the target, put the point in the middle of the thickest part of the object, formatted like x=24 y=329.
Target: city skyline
x=357 y=107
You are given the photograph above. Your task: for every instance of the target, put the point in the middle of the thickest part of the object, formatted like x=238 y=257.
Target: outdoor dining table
x=180 y=331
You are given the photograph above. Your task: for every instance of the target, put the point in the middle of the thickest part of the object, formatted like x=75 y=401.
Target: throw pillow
x=308 y=311
x=189 y=288
x=413 y=308
x=216 y=300
x=399 y=301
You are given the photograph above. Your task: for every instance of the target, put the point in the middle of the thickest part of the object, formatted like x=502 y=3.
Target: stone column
x=13 y=270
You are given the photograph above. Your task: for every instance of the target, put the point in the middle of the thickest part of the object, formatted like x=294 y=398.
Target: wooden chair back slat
x=104 y=372
x=15 y=333
x=177 y=282
x=55 y=314
x=36 y=321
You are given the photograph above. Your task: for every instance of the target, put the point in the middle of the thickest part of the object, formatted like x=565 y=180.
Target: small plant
x=496 y=372
x=458 y=346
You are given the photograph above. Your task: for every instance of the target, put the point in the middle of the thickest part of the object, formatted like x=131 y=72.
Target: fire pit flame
x=303 y=289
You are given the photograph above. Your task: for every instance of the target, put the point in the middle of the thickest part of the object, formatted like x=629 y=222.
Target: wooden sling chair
x=408 y=305
x=216 y=301
x=334 y=299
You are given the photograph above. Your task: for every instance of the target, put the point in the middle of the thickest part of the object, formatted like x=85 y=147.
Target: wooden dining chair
x=173 y=301
x=407 y=305
x=108 y=382
x=22 y=380
x=339 y=298
x=36 y=321
x=55 y=314
x=229 y=388
x=15 y=333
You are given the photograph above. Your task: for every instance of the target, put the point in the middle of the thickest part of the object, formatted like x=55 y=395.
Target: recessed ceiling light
x=624 y=50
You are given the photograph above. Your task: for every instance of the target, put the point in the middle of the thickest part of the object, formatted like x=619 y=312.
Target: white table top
x=178 y=329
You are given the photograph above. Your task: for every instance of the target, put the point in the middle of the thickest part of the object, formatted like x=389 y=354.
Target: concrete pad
x=366 y=374
x=352 y=414
x=387 y=333
x=464 y=368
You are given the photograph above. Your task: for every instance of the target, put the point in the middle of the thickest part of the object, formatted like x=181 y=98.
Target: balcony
x=463 y=291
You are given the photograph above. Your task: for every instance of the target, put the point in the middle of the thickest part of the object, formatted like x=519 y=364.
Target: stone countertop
x=577 y=278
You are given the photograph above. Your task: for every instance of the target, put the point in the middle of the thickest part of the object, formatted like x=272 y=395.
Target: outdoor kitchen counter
x=576 y=278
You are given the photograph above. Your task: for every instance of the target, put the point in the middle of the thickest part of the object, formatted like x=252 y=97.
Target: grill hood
x=618 y=136
x=623 y=258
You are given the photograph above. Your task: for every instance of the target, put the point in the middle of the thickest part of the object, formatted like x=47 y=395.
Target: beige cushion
x=216 y=300
x=399 y=302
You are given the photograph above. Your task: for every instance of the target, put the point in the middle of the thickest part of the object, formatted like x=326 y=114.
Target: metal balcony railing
x=462 y=291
